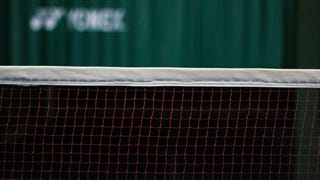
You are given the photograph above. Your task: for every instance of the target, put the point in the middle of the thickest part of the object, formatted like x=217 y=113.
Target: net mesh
x=158 y=132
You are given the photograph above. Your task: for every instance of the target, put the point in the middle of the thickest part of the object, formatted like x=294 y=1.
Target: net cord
x=157 y=77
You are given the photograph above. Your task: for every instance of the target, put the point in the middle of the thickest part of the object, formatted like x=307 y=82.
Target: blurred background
x=179 y=33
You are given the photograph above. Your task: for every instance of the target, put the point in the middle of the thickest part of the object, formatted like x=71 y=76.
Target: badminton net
x=159 y=123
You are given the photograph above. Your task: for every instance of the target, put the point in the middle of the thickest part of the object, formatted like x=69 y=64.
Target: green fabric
x=185 y=33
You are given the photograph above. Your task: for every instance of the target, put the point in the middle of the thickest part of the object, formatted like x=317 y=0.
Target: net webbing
x=158 y=132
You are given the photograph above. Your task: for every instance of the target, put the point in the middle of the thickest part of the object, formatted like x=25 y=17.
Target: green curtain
x=185 y=33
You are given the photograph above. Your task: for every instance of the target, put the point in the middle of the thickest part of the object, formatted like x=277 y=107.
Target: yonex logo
x=79 y=19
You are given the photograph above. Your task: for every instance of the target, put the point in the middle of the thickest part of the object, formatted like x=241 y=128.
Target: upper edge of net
x=117 y=76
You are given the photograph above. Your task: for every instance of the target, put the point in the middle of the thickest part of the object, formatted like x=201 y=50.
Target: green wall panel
x=186 y=33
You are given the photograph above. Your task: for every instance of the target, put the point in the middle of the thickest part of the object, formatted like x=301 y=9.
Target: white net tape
x=115 y=76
